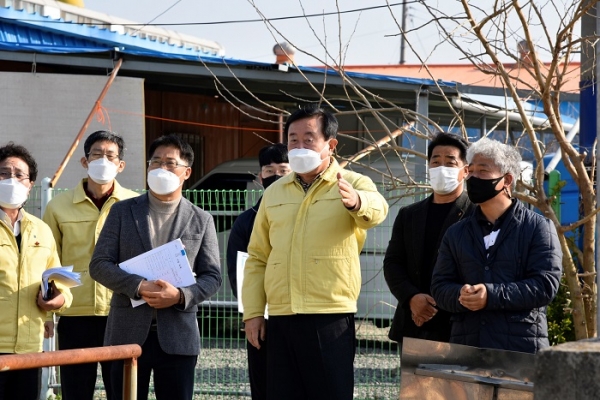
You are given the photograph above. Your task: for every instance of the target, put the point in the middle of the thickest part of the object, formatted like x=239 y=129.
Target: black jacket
x=521 y=274
x=239 y=237
x=403 y=267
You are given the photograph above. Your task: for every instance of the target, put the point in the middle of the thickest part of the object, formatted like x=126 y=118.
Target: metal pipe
x=367 y=150
x=47 y=193
x=219 y=303
x=130 y=379
x=69 y=357
x=127 y=352
x=63 y=164
x=281 y=126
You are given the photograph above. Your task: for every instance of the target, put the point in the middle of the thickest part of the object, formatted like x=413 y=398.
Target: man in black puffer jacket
x=274 y=164
x=498 y=269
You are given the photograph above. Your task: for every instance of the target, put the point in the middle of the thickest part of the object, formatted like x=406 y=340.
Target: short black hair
x=15 y=150
x=329 y=124
x=186 y=153
x=274 y=153
x=448 y=139
x=104 y=136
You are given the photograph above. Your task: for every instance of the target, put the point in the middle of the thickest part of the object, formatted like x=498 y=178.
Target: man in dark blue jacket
x=274 y=164
x=498 y=269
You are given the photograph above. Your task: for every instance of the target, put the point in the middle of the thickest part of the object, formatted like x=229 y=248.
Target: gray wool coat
x=125 y=235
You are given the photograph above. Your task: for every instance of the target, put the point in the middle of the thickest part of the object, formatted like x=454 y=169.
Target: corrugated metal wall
x=216 y=130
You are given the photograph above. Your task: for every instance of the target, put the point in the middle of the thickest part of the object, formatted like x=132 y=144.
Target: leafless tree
x=495 y=30
x=511 y=42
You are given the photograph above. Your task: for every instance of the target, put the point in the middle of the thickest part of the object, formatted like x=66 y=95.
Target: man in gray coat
x=165 y=326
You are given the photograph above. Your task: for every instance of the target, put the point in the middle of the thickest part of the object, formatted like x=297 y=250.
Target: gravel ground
x=222 y=369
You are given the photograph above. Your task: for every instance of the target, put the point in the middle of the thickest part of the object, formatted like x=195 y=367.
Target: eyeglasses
x=274 y=171
x=170 y=165
x=97 y=155
x=8 y=174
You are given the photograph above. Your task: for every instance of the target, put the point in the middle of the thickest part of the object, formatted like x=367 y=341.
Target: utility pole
x=402 y=34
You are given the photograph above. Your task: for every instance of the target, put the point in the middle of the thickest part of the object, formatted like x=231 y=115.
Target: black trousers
x=257 y=369
x=311 y=357
x=173 y=374
x=21 y=384
x=78 y=382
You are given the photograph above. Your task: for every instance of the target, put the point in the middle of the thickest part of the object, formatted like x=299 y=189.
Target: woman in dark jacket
x=498 y=269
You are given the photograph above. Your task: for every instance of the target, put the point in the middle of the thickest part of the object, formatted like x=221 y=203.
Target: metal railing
x=128 y=352
x=221 y=372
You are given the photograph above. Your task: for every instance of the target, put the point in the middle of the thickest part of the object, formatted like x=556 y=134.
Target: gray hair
x=503 y=156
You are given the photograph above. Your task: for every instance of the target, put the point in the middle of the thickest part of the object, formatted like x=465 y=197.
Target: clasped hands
x=473 y=297
x=159 y=293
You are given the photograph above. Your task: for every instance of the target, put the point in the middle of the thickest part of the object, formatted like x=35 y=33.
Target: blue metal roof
x=19 y=37
x=22 y=31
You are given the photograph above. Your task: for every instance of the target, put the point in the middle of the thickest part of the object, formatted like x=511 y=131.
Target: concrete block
x=568 y=371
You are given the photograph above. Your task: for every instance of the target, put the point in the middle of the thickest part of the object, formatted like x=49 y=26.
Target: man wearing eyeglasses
x=27 y=248
x=76 y=218
x=165 y=325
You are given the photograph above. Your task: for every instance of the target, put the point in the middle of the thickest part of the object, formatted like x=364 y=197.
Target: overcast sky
x=368 y=36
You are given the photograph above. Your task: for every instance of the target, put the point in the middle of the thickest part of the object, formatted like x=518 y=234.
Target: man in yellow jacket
x=76 y=218
x=27 y=248
x=304 y=263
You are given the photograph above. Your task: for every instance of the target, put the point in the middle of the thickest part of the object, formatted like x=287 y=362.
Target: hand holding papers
x=63 y=275
x=167 y=262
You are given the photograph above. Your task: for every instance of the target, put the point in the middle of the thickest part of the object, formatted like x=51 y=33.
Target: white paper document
x=240 y=262
x=63 y=275
x=167 y=262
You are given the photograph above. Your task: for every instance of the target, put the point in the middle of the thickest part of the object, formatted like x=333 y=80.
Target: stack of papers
x=63 y=275
x=168 y=262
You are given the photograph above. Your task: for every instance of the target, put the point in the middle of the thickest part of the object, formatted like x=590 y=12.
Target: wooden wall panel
x=215 y=123
x=153 y=107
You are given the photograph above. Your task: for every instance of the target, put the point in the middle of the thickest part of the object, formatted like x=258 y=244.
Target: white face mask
x=303 y=161
x=12 y=193
x=162 y=181
x=444 y=180
x=102 y=171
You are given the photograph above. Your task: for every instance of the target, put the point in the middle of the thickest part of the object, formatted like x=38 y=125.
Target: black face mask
x=266 y=182
x=481 y=190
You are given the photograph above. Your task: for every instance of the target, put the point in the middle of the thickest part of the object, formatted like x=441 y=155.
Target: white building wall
x=44 y=113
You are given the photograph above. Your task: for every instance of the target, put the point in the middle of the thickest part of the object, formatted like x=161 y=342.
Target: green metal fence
x=222 y=368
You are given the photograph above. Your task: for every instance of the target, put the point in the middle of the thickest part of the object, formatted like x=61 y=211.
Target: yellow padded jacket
x=76 y=224
x=304 y=249
x=21 y=320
